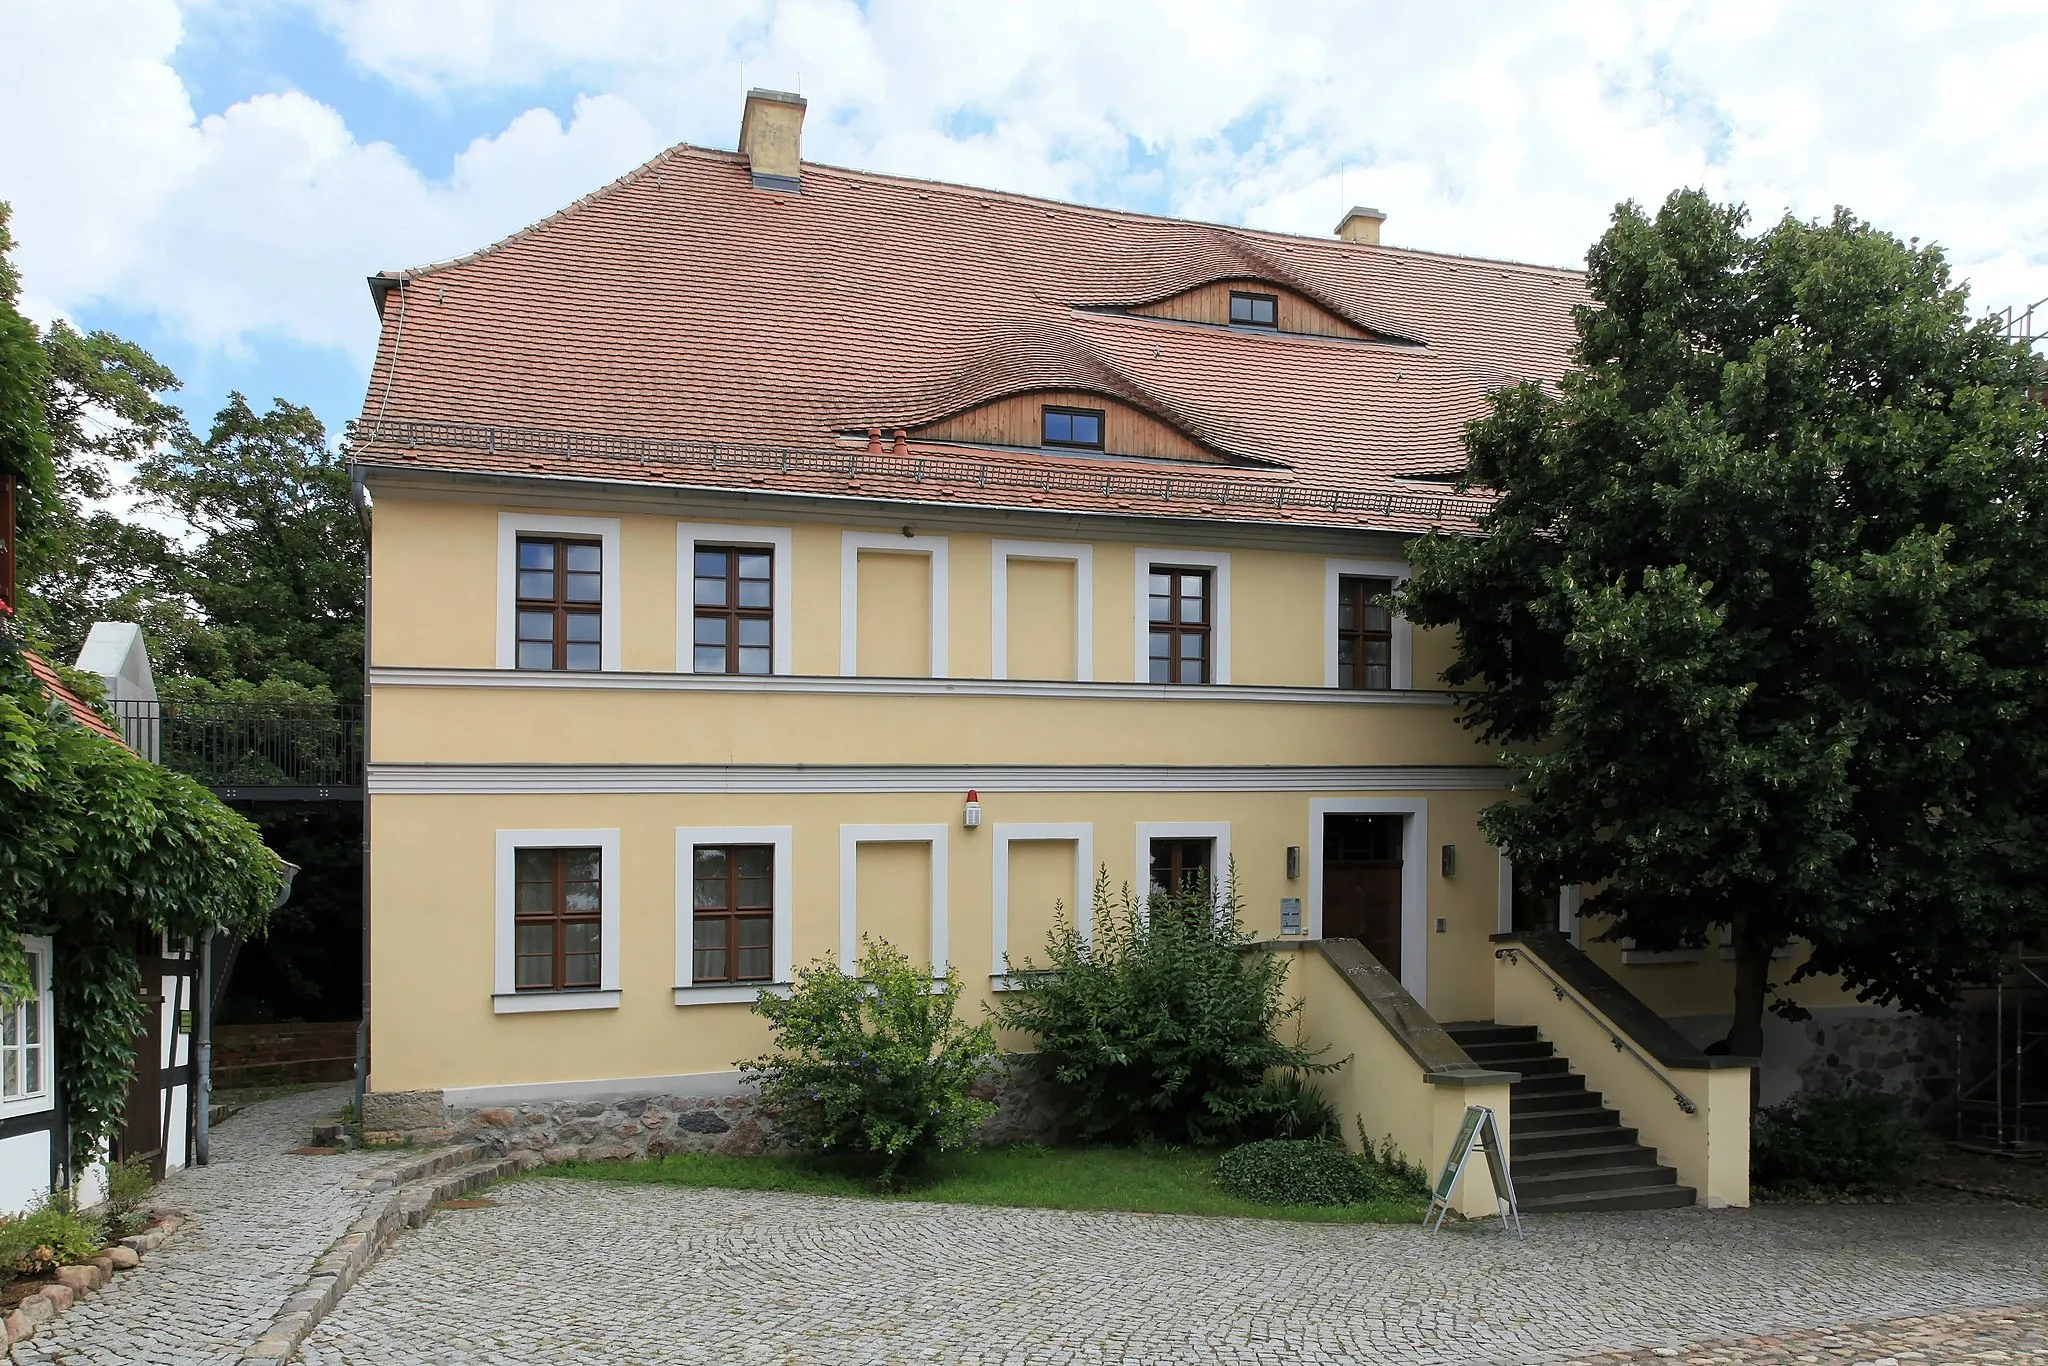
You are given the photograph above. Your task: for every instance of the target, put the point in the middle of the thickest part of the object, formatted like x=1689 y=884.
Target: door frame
x=1414 y=972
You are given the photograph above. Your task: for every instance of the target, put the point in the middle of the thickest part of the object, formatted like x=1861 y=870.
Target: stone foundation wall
x=1850 y=1048
x=641 y=1124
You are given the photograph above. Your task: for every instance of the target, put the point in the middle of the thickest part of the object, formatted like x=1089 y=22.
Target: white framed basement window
x=26 y=1061
x=507 y=997
x=728 y=903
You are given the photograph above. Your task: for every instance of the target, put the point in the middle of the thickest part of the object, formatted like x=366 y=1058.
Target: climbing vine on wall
x=98 y=849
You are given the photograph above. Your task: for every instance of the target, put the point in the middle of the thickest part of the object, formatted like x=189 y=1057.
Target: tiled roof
x=682 y=326
x=76 y=705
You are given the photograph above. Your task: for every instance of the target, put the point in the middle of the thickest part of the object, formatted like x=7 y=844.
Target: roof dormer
x=1253 y=305
x=1070 y=421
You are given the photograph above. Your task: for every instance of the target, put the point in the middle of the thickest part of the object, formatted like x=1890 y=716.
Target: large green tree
x=1761 y=609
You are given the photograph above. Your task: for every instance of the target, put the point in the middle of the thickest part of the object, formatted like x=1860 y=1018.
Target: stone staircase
x=1566 y=1150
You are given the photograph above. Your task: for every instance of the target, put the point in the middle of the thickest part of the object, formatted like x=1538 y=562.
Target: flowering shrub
x=874 y=1064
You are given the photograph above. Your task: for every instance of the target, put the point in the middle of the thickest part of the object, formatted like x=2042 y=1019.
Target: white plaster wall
x=24 y=1171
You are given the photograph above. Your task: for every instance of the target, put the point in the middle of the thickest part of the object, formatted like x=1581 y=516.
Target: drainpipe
x=202 y=1036
x=359 y=494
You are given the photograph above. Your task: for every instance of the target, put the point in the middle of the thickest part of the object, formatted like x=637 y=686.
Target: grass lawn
x=1162 y=1181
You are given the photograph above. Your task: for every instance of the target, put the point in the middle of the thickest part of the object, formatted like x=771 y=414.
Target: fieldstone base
x=1910 y=1056
x=402 y=1111
x=1027 y=1109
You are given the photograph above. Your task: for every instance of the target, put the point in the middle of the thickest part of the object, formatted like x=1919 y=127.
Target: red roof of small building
x=76 y=705
x=682 y=326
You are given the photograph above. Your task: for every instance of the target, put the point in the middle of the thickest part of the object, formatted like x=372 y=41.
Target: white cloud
x=1498 y=130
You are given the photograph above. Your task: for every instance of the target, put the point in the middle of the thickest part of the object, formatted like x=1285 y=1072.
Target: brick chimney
x=1362 y=225
x=772 y=139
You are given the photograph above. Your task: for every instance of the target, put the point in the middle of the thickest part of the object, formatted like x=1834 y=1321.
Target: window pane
x=756 y=564
x=537 y=555
x=757 y=860
x=580 y=970
x=756 y=892
x=1378 y=676
x=33 y=1070
x=1347 y=649
x=584 y=658
x=532 y=656
x=10 y=1027
x=708 y=631
x=32 y=1023
x=537 y=626
x=709 y=932
x=1087 y=430
x=533 y=865
x=580 y=937
x=711 y=564
x=708 y=659
x=536 y=898
x=756 y=593
x=711 y=592
x=757 y=662
x=581 y=626
x=533 y=584
x=1162 y=645
x=1240 y=308
x=585 y=559
x=754 y=931
x=1059 y=427
x=1162 y=671
x=580 y=898
x=1347 y=609
x=755 y=631
x=1160 y=607
x=1347 y=675
x=583 y=588
x=754 y=965
x=535 y=973
x=1263 y=312
x=708 y=951
x=534 y=940
x=1191 y=671
x=582 y=865
x=1376 y=617
x=1194 y=602
x=10 y=1073
x=1193 y=645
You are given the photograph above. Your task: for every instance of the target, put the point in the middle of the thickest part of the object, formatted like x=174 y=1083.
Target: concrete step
x=1584 y=1157
x=1583 y=1116
x=1502 y=1051
x=1620 y=1176
x=1469 y=1032
x=416 y=1199
x=1527 y=1142
x=1627 y=1198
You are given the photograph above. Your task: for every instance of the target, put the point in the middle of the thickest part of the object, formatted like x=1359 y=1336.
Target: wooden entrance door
x=1362 y=883
x=142 y=1125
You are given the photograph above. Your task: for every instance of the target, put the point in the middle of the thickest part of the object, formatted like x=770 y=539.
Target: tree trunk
x=1754 y=945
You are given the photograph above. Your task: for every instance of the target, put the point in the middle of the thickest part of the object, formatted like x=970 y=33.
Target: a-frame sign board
x=1480 y=1130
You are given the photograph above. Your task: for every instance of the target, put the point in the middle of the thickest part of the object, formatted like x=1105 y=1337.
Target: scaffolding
x=2002 y=1059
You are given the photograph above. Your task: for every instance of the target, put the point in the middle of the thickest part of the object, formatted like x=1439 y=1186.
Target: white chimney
x=1362 y=225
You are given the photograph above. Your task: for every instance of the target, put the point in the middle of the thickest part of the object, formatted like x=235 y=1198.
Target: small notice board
x=1480 y=1130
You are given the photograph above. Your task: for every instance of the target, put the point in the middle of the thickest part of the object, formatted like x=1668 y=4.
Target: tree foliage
x=98 y=848
x=1763 y=605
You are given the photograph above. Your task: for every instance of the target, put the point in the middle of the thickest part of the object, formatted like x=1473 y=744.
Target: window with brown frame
x=561 y=604
x=557 y=919
x=1365 y=634
x=1254 y=310
x=1177 y=863
x=1179 y=626
x=734 y=593
x=732 y=898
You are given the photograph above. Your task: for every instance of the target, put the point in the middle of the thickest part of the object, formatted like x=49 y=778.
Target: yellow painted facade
x=886 y=705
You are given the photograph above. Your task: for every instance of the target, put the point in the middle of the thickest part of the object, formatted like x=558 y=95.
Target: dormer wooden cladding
x=1015 y=421
x=1210 y=304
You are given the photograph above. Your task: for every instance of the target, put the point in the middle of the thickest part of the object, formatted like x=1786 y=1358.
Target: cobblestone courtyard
x=573 y=1272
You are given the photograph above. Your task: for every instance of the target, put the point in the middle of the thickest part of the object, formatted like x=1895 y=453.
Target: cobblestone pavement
x=575 y=1272
x=2015 y=1333
x=257 y=1219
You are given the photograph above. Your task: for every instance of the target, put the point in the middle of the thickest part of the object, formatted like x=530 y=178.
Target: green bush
x=1298 y=1109
x=48 y=1235
x=1846 y=1143
x=873 y=1065
x=1290 y=1171
x=1160 y=1026
x=128 y=1186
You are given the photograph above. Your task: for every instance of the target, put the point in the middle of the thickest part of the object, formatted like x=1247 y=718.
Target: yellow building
x=765 y=555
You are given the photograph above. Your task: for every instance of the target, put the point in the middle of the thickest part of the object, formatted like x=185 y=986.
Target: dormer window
x=1080 y=427
x=1254 y=310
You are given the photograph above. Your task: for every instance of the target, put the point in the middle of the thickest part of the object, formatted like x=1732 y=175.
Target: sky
x=215 y=179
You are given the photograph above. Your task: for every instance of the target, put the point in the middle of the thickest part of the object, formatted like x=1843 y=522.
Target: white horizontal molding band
x=812 y=684
x=397 y=779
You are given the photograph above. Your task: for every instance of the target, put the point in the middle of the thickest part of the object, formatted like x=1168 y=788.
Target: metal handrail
x=1513 y=954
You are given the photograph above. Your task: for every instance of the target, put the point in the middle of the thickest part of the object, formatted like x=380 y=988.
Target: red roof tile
x=76 y=705
x=682 y=326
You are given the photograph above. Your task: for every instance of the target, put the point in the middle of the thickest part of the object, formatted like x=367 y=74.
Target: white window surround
x=779 y=539
x=1082 y=557
x=1401 y=665
x=506 y=998
x=781 y=971
x=1567 y=903
x=851 y=837
x=1215 y=561
x=1414 y=876
x=45 y=1097
x=851 y=543
x=1081 y=910
x=1216 y=831
x=511 y=526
